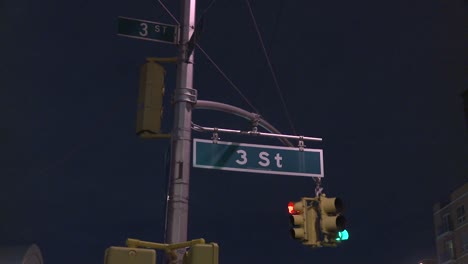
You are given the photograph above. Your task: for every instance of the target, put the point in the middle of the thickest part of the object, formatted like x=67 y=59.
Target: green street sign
x=143 y=29
x=257 y=158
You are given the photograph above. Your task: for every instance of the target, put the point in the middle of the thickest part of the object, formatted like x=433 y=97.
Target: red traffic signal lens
x=291 y=207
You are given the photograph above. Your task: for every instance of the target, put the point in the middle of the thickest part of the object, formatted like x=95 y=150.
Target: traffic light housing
x=297 y=219
x=303 y=217
x=202 y=254
x=125 y=255
x=331 y=220
x=150 y=98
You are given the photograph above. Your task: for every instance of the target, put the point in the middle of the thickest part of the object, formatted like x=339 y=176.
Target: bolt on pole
x=184 y=98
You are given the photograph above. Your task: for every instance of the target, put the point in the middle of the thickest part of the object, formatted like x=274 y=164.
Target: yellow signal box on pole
x=202 y=254
x=125 y=255
x=199 y=252
x=150 y=98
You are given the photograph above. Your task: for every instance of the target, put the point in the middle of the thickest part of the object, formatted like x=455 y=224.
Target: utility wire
x=276 y=25
x=169 y=12
x=208 y=57
x=227 y=78
x=173 y=17
x=288 y=116
x=206 y=9
x=199 y=25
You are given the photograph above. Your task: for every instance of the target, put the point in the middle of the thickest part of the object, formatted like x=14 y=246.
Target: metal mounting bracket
x=301 y=143
x=215 y=137
x=255 y=123
x=188 y=95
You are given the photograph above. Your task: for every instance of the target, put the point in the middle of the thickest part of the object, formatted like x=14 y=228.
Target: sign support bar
x=253 y=133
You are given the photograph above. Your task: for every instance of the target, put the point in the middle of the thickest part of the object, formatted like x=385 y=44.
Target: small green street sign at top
x=257 y=158
x=143 y=29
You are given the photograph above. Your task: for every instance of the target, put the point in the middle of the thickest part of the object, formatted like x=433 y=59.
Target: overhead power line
x=227 y=78
x=169 y=12
x=276 y=25
x=209 y=58
x=275 y=80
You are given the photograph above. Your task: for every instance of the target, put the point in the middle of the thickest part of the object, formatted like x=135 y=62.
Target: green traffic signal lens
x=343 y=235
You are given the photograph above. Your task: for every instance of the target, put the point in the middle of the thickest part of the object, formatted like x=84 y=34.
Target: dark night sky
x=379 y=81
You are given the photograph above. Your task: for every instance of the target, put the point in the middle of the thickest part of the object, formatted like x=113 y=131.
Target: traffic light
x=331 y=220
x=303 y=218
x=144 y=252
x=202 y=254
x=297 y=219
x=125 y=255
x=150 y=98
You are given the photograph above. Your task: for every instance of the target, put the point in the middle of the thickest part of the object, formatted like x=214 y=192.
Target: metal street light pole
x=184 y=98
